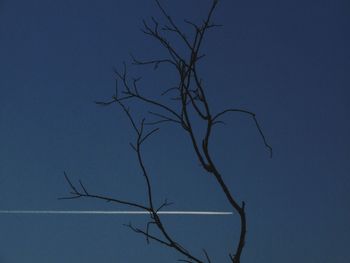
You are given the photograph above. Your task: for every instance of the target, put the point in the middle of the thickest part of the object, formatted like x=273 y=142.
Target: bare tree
x=191 y=103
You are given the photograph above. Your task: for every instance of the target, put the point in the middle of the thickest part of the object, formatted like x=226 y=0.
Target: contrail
x=81 y=212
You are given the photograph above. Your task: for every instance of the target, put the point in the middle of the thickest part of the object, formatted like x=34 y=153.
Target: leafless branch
x=162 y=118
x=77 y=193
x=192 y=104
x=255 y=121
x=155 y=62
x=147 y=235
x=206 y=255
x=168 y=90
x=173 y=26
x=165 y=204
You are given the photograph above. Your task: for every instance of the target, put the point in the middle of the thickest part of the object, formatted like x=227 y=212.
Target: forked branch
x=192 y=104
x=166 y=239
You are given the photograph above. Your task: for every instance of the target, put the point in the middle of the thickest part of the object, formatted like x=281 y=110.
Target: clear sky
x=288 y=61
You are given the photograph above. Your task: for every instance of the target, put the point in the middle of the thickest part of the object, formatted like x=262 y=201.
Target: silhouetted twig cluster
x=191 y=103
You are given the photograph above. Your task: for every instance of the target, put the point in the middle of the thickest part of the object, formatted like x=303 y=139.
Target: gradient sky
x=288 y=61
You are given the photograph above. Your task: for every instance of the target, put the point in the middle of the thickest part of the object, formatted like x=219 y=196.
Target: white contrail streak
x=77 y=212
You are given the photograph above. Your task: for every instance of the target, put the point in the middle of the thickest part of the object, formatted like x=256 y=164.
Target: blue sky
x=288 y=61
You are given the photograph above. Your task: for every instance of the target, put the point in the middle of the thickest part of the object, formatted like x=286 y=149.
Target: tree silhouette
x=191 y=103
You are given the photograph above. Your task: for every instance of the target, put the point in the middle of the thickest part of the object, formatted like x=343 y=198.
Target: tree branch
x=193 y=104
x=255 y=121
